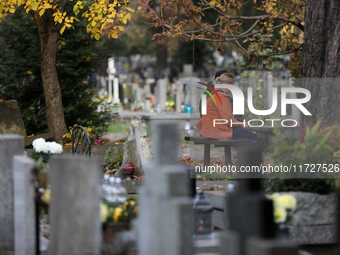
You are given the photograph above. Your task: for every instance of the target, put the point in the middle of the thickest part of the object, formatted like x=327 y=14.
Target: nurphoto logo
x=238 y=102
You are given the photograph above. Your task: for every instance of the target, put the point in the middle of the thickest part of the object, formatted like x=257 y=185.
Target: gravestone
x=10 y=145
x=10 y=118
x=74 y=206
x=165 y=219
x=161 y=93
x=24 y=207
x=136 y=148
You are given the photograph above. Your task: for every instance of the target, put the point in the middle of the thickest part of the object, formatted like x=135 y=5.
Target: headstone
x=111 y=70
x=270 y=88
x=10 y=145
x=74 y=206
x=188 y=70
x=166 y=213
x=136 y=148
x=179 y=95
x=116 y=91
x=24 y=207
x=161 y=93
x=10 y=118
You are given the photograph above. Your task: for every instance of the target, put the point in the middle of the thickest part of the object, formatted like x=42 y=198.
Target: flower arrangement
x=169 y=104
x=283 y=204
x=115 y=214
x=45 y=149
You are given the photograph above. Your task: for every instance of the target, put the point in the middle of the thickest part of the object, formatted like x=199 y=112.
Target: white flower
x=45 y=148
x=37 y=143
x=55 y=148
x=40 y=145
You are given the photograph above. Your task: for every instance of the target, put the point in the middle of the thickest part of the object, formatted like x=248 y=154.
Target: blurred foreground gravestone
x=74 y=207
x=24 y=207
x=250 y=215
x=165 y=220
x=10 y=145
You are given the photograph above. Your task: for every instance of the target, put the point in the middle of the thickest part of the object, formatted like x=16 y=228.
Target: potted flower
x=116 y=218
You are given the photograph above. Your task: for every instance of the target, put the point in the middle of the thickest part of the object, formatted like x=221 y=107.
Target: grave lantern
x=202 y=217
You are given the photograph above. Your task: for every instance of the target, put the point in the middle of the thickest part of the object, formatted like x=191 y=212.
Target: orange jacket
x=205 y=125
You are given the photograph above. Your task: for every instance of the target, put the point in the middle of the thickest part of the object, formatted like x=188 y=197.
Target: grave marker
x=74 y=207
x=24 y=207
x=10 y=145
x=166 y=213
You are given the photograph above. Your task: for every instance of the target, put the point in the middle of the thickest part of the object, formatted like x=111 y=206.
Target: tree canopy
x=100 y=14
x=188 y=19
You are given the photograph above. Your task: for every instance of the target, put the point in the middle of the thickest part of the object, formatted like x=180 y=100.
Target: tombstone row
x=165 y=222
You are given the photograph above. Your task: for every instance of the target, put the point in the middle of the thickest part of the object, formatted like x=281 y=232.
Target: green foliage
x=317 y=185
x=312 y=145
x=113 y=160
x=20 y=75
x=118 y=128
x=315 y=147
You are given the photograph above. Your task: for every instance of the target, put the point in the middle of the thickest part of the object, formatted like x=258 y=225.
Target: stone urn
x=314 y=220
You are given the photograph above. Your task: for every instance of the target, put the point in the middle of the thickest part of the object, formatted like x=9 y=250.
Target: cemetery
x=106 y=146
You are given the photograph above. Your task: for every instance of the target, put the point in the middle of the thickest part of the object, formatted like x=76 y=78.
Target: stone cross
x=74 y=206
x=10 y=145
x=24 y=207
x=165 y=220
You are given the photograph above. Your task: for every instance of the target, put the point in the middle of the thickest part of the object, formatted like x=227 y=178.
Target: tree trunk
x=321 y=59
x=49 y=33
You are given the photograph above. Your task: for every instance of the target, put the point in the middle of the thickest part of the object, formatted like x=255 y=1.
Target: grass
x=118 y=128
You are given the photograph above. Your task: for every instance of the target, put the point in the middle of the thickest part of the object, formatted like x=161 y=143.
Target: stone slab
x=217 y=198
x=260 y=246
x=219 y=219
x=132 y=186
x=10 y=118
x=313 y=209
x=47 y=136
x=322 y=234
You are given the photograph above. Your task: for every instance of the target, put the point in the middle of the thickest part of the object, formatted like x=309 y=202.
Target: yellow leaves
x=213 y=2
x=29 y=72
x=126 y=18
x=101 y=15
x=34 y=6
x=62 y=29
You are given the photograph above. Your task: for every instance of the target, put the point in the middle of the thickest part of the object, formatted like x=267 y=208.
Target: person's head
x=219 y=73
x=226 y=78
